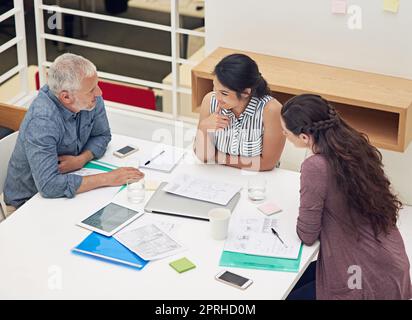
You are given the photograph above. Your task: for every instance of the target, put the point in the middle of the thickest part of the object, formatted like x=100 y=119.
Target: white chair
x=292 y=157
x=6 y=146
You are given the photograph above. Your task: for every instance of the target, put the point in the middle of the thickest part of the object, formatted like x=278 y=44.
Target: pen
x=147 y=162
x=277 y=235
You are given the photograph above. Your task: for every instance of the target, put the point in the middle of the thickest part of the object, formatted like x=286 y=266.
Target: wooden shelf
x=11 y=116
x=378 y=105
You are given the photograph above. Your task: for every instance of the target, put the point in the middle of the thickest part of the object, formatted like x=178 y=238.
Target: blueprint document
x=254 y=236
x=149 y=242
x=202 y=189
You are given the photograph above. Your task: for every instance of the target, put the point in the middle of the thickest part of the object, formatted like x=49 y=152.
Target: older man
x=65 y=127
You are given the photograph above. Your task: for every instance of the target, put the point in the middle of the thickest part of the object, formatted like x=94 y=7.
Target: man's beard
x=83 y=108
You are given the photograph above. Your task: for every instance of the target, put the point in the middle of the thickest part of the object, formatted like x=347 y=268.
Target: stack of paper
x=149 y=242
x=251 y=243
x=202 y=189
x=255 y=236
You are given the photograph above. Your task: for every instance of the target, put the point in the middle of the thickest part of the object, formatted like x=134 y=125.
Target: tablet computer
x=110 y=219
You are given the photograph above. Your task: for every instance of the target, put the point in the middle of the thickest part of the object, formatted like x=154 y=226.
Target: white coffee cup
x=219 y=222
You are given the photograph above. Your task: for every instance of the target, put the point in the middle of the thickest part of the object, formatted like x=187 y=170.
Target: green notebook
x=250 y=261
x=91 y=165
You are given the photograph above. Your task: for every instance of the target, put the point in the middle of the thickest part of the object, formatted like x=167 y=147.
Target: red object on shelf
x=121 y=93
x=36 y=76
x=138 y=97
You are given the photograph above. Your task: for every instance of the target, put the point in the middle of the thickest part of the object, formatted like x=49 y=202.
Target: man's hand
x=70 y=163
x=120 y=176
x=113 y=178
x=73 y=163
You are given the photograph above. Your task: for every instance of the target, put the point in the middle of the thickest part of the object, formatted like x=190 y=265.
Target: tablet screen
x=110 y=217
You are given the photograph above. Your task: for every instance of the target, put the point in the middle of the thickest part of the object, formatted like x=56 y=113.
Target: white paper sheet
x=202 y=189
x=84 y=172
x=164 y=162
x=149 y=242
x=254 y=236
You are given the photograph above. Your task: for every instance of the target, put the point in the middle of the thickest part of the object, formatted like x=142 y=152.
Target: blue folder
x=109 y=249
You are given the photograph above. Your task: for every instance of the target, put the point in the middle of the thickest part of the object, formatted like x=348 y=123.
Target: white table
x=36 y=241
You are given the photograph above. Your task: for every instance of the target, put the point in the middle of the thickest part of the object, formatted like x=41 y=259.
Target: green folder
x=250 y=261
x=93 y=165
x=104 y=164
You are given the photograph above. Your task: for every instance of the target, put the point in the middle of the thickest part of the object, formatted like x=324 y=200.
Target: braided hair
x=356 y=164
x=319 y=121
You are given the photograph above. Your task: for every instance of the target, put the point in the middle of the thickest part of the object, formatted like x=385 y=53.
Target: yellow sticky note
x=391 y=5
x=151 y=185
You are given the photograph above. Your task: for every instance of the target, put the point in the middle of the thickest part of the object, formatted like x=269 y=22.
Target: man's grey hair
x=68 y=71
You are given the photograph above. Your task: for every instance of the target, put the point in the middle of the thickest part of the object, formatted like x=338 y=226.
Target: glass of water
x=256 y=188
x=136 y=190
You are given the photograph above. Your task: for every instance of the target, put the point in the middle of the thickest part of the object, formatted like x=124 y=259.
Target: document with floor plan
x=255 y=236
x=149 y=242
x=202 y=189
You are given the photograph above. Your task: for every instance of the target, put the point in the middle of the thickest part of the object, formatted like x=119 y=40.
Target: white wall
x=150 y=127
x=307 y=30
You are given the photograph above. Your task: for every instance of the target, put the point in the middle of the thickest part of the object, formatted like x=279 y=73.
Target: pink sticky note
x=339 y=6
x=269 y=208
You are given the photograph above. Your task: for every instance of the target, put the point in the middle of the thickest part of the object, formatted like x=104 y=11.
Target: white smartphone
x=125 y=151
x=233 y=279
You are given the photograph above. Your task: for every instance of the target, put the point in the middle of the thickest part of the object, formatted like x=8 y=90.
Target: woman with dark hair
x=239 y=123
x=346 y=203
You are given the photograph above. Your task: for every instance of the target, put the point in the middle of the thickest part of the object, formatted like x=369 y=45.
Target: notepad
x=152 y=185
x=254 y=235
x=193 y=187
x=110 y=250
x=182 y=265
x=269 y=208
x=391 y=5
x=162 y=158
x=339 y=6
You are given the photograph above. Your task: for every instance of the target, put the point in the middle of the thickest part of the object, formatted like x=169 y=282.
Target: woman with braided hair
x=346 y=203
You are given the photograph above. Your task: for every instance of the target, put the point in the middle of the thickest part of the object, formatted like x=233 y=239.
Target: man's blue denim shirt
x=50 y=130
